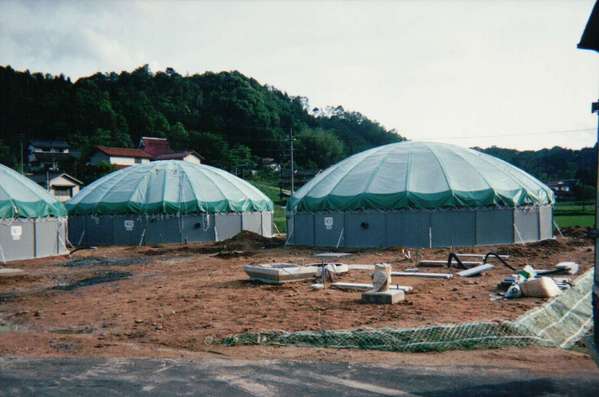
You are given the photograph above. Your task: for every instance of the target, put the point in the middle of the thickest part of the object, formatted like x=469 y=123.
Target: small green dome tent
x=32 y=222
x=162 y=199
x=433 y=180
x=20 y=197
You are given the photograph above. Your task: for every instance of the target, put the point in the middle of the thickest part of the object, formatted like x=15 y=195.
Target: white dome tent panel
x=419 y=194
x=167 y=202
x=32 y=223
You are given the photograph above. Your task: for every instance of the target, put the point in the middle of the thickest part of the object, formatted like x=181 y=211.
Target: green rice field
x=273 y=193
x=574 y=213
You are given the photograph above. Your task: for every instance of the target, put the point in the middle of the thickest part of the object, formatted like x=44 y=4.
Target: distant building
x=563 y=189
x=155 y=146
x=45 y=153
x=61 y=185
x=187 y=155
x=118 y=156
x=269 y=163
x=160 y=149
x=149 y=149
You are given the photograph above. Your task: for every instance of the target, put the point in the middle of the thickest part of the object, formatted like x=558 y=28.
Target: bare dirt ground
x=165 y=301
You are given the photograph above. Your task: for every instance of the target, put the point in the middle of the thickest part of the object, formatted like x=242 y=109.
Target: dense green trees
x=551 y=164
x=228 y=118
x=317 y=148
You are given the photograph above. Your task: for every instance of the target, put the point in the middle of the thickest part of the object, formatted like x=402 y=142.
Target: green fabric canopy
x=419 y=175
x=168 y=187
x=20 y=197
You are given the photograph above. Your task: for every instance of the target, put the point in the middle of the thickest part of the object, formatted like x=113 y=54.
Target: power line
x=515 y=134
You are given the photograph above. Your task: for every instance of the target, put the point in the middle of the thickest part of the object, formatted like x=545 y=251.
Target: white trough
x=281 y=273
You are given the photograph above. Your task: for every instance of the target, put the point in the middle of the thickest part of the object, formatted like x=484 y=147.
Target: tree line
x=230 y=119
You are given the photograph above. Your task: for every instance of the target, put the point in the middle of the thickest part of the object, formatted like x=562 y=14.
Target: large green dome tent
x=167 y=201
x=419 y=194
x=32 y=222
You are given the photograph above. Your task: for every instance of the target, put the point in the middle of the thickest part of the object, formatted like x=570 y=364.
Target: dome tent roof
x=168 y=187
x=419 y=175
x=20 y=197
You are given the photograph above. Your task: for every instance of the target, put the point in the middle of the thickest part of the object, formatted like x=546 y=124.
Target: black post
x=595 y=109
x=291 y=158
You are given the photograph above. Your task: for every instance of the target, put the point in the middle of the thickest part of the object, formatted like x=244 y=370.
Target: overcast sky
x=504 y=73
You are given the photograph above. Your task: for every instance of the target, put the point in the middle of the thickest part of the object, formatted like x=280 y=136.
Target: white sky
x=433 y=70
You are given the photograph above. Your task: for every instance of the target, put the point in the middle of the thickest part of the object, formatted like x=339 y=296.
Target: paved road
x=111 y=377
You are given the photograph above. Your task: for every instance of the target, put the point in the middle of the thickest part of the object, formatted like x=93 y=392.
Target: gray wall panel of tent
x=156 y=229
x=421 y=228
x=32 y=238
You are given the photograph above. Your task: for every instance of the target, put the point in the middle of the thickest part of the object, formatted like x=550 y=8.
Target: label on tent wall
x=328 y=222
x=16 y=232
x=129 y=225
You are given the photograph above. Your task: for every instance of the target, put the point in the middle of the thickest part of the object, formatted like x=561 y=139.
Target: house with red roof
x=119 y=156
x=160 y=149
x=149 y=149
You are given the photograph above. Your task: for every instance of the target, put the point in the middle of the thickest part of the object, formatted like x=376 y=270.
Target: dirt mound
x=248 y=241
x=539 y=248
x=245 y=241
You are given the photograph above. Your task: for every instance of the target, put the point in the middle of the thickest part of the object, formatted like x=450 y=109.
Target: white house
x=61 y=185
x=187 y=155
x=119 y=156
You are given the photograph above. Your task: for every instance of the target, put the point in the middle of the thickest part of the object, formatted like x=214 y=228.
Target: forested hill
x=551 y=164
x=226 y=117
x=230 y=119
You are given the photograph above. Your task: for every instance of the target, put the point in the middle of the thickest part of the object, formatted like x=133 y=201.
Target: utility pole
x=21 y=156
x=595 y=292
x=291 y=158
x=21 y=168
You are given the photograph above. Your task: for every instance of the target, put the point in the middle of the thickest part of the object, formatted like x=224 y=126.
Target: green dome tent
x=32 y=222
x=431 y=194
x=20 y=197
x=167 y=201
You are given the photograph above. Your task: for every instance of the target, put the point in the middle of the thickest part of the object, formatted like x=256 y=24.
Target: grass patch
x=272 y=192
x=575 y=220
x=574 y=213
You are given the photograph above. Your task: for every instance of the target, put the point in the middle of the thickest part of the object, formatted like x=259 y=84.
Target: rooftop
x=123 y=152
x=155 y=146
x=178 y=155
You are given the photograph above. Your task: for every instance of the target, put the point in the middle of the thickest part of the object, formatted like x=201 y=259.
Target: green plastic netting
x=419 y=175
x=20 y=197
x=168 y=187
x=559 y=323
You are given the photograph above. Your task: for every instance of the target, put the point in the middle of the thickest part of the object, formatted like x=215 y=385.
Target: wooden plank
x=443 y=263
x=481 y=256
x=357 y=266
x=365 y=287
x=332 y=254
x=7 y=272
x=475 y=271
x=420 y=274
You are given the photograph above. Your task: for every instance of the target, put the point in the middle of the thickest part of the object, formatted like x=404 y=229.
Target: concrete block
x=383 y=298
x=280 y=273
